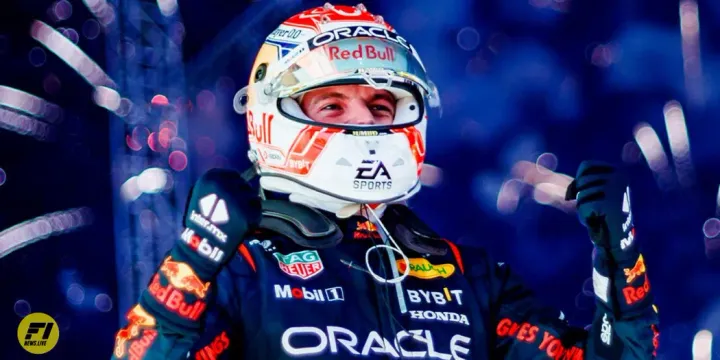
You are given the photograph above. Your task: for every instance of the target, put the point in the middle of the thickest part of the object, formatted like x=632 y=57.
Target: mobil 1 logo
x=372 y=175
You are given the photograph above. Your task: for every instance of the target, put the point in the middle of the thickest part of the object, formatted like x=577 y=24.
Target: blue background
x=518 y=78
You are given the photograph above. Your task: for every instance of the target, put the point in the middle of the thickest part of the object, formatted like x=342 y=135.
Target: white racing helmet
x=330 y=165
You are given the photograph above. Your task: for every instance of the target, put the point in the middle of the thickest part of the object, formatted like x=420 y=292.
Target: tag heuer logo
x=214 y=210
x=303 y=264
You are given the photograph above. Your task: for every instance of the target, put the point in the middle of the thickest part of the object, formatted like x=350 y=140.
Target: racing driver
x=326 y=261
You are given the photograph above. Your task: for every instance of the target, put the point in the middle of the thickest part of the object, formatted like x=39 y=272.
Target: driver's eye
x=331 y=107
x=379 y=108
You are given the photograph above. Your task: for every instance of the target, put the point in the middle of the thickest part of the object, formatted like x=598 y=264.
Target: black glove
x=221 y=209
x=603 y=204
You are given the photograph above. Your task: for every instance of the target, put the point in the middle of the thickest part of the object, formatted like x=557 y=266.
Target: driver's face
x=349 y=105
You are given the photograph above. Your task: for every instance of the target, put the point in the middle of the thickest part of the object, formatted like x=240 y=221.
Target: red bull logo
x=366 y=226
x=182 y=277
x=138 y=319
x=636 y=271
x=174 y=300
x=366 y=230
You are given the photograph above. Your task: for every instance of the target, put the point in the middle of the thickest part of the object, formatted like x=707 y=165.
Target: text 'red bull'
x=362 y=52
x=636 y=294
x=138 y=319
x=215 y=348
x=528 y=333
x=138 y=347
x=183 y=277
x=174 y=300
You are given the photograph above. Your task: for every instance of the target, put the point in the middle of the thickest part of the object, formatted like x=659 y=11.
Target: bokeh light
x=167 y=7
x=91 y=29
x=140 y=135
x=132 y=143
x=468 y=38
x=51 y=84
x=153 y=142
x=75 y=294
x=22 y=308
x=148 y=219
x=42 y=227
x=603 y=55
x=168 y=131
x=431 y=175
x=159 y=100
x=62 y=10
x=702 y=345
x=206 y=100
x=178 y=33
x=177 y=160
x=178 y=143
x=509 y=196
x=71 y=34
x=3 y=176
x=152 y=180
x=631 y=153
x=546 y=163
x=711 y=228
x=37 y=57
x=103 y=302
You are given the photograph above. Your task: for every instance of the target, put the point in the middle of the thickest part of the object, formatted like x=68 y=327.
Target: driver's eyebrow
x=325 y=96
x=384 y=96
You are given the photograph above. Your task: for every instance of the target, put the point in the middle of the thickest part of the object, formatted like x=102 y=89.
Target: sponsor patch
x=303 y=264
x=600 y=285
x=423 y=269
x=442 y=316
x=636 y=271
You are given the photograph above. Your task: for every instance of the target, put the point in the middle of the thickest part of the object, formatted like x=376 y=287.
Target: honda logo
x=214 y=209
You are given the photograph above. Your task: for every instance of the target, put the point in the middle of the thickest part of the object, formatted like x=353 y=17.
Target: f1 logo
x=334 y=294
x=35 y=327
x=371 y=169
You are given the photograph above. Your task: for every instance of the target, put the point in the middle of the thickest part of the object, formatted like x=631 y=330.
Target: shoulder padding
x=412 y=232
x=310 y=228
x=303 y=225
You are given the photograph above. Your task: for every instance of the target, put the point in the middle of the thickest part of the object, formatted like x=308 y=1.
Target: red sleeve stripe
x=246 y=254
x=456 y=253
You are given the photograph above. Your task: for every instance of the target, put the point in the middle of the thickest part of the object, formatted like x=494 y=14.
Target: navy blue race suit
x=277 y=299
